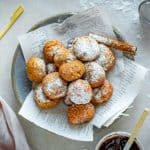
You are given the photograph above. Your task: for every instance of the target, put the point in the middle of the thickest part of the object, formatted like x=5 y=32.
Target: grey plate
x=21 y=84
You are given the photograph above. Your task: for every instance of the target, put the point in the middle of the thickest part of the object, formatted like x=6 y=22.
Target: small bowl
x=121 y=133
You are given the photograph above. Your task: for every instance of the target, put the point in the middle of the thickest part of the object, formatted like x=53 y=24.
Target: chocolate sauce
x=117 y=142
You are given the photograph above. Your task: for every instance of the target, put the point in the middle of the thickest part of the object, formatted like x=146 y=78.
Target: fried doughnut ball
x=63 y=56
x=41 y=100
x=102 y=94
x=106 y=58
x=53 y=86
x=50 y=67
x=85 y=48
x=51 y=48
x=79 y=92
x=78 y=114
x=36 y=69
x=72 y=70
x=94 y=74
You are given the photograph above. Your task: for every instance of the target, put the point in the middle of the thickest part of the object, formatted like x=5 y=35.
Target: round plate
x=21 y=85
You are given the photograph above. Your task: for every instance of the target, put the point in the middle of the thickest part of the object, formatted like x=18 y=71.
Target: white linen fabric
x=12 y=136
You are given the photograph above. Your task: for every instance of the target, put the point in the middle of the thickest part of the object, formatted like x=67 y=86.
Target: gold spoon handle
x=136 y=129
x=13 y=19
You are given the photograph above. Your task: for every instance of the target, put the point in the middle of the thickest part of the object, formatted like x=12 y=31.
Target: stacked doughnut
x=76 y=76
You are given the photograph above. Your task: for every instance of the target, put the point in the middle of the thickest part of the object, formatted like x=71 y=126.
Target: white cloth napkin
x=12 y=136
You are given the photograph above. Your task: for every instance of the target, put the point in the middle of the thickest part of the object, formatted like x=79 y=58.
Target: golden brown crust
x=78 y=114
x=124 y=46
x=94 y=74
x=53 y=86
x=102 y=94
x=49 y=104
x=72 y=70
x=99 y=82
x=41 y=100
x=63 y=56
x=79 y=92
x=106 y=58
x=85 y=48
x=113 y=43
x=110 y=67
x=50 y=48
x=36 y=69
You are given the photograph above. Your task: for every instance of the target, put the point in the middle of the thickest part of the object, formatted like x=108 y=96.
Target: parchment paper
x=126 y=76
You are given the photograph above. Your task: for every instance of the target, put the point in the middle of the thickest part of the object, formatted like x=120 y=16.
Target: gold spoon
x=16 y=14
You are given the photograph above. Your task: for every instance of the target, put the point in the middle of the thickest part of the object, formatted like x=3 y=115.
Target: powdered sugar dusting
x=57 y=87
x=51 y=68
x=39 y=95
x=125 y=9
x=106 y=58
x=39 y=64
x=55 y=49
x=97 y=92
x=85 y=48
x=122 y=6
x=103 y=91
x=101 y=39
x=93 y=72
x=80 y=92
x=70 y=57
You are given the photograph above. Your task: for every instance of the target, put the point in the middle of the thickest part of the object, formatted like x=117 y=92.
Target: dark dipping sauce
x=117 y=142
